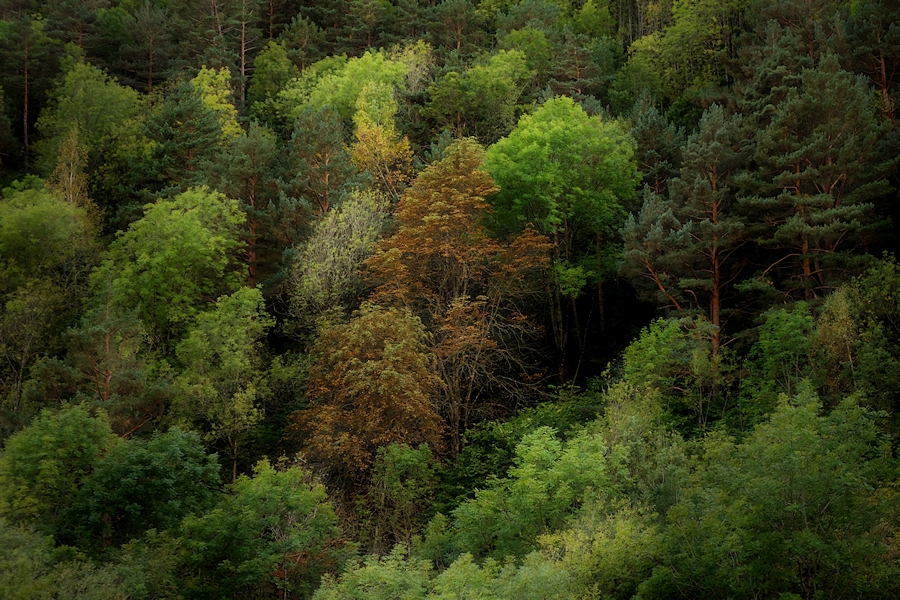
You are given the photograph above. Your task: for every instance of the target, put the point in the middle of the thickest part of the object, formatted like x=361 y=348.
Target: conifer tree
x=820 y=170
x=148 y=47
x=320 y=169
x=703 y=198
x=185 y=131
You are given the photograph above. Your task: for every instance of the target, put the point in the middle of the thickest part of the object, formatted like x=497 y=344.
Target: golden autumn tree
x=371 y=384
x=466 y=286
x=379 y=148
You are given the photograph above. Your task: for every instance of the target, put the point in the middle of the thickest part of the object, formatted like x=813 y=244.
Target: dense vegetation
x=401 y=299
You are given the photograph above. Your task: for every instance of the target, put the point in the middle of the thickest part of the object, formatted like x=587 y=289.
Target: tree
x=107 y=365
x=148 y=48
x=27 y=49
x=688 y=54
x=549 y=481
x=659 y=145
x=274 y=533
x=325 y=271
x=466 y=286
x=184 y=131
x=579 y=205
x=77 y=22
x=223 y=382
x=457 y=26
x=379 y=149
x=47 y=249
x=402 y=487
x=798 y=507
x=179 y=256
x=43 y=466
x=107 y=119
x=820 y=169
x=141 y=485
x=481 y=101
x=68 y=178
x=272 y=71
x=873 y=34
x=341 y=88
x=302 y=41
x=213 y=87
x=371 y=384
x=248 y=171
x=690 y=241
x=320 y=170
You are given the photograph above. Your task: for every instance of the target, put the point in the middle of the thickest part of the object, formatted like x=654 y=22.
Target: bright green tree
x=571 y=176
x=178 y=257
x=105 y=114
x=214 y=90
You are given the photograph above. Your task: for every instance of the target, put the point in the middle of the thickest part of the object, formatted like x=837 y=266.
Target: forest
x=449 y=299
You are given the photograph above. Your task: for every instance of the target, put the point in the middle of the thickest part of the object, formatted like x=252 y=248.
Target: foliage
x=811 y=489
x=548 y=482
x=402 y=486
x=141 y=485
x=579 y=205
x=481 y=101
x=176 y=257
x=103 y=112
x=371 y=384
x=43 y=466
x=325 y=270
x=273 y=533
x=466 y=286
x=213 y=87
x=223 y=382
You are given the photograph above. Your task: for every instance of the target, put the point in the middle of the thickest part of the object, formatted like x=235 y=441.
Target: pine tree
x=320 y=168
x=148 y=47
x=820 y=172
x=185 y=131
x=703 y=198
x=658 y=145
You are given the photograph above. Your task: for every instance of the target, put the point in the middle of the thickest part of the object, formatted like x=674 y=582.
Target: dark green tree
x=273 y=533
x=148 y=46
x=141 y=485
x=43 y=466
x=820 y=170
x=31 y=62
x=320 y=171
x=184 y=131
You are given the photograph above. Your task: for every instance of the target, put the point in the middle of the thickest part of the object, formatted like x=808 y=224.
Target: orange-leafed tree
x=466 y=286
x=371 y=384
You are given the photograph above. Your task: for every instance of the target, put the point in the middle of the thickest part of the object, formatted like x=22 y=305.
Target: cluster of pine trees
x=449 y=299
